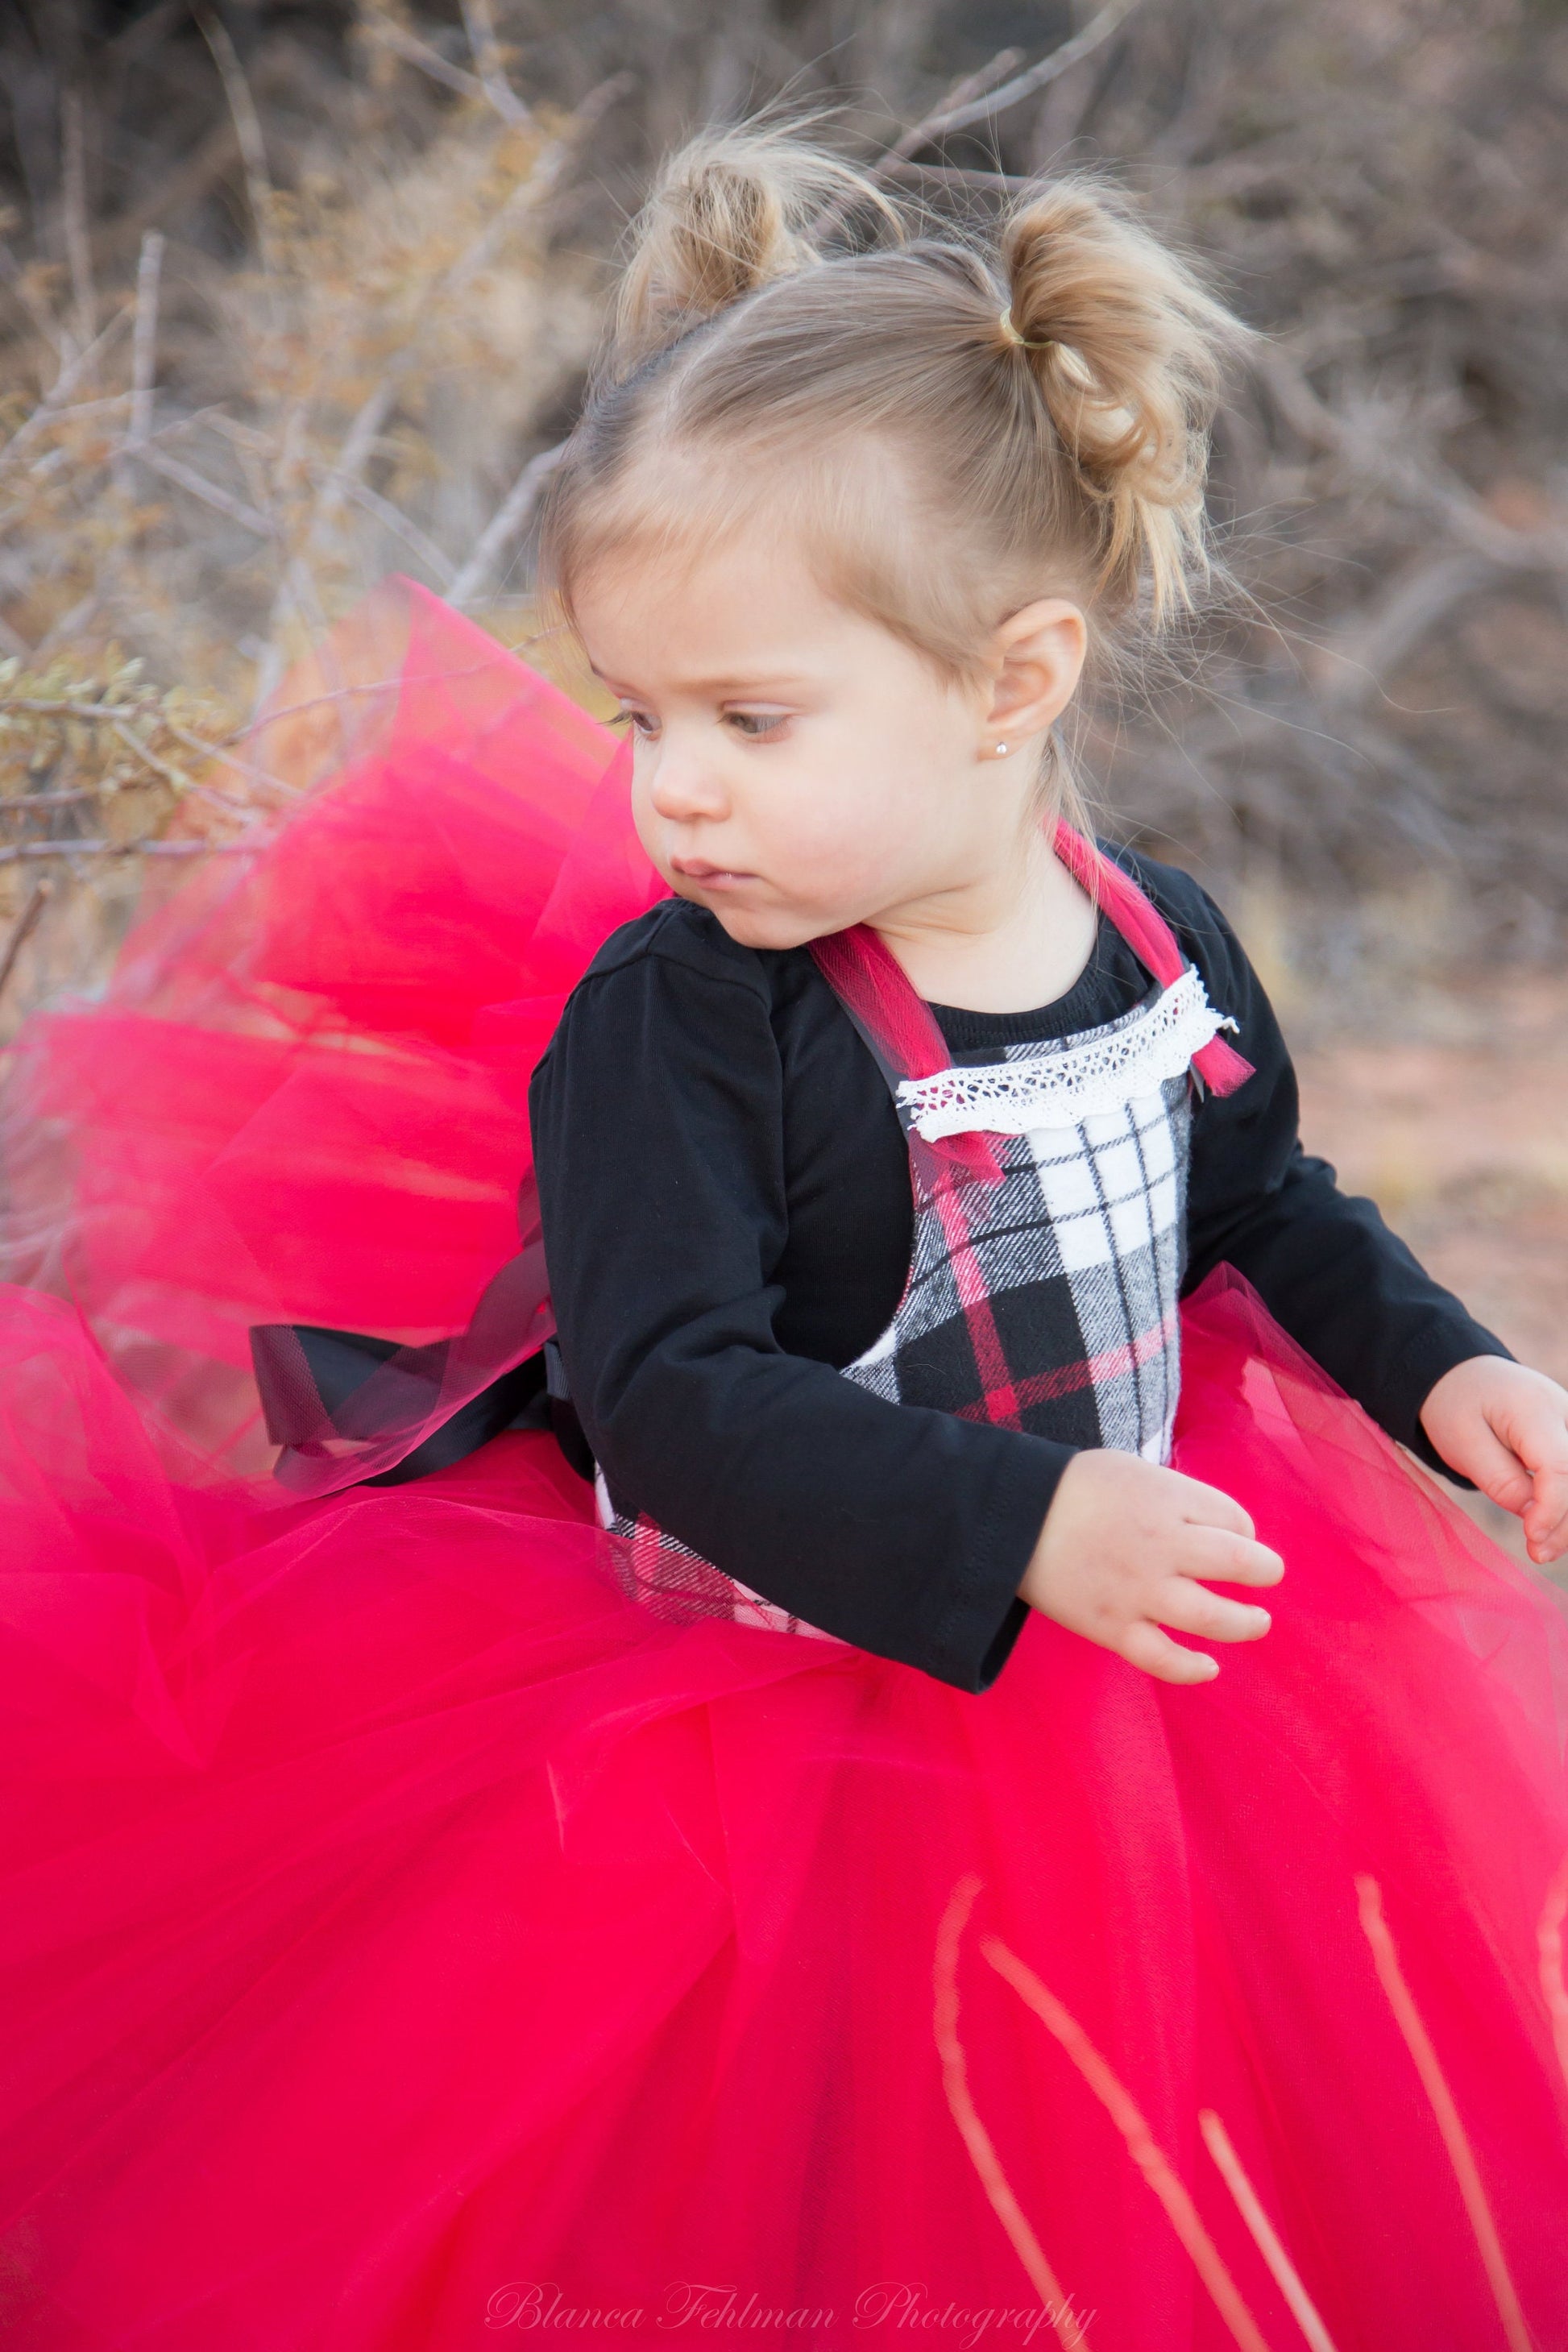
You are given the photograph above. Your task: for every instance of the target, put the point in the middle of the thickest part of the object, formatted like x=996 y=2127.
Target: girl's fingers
x=1145 y=1646
x=1535 y=1435
x=1548 y=1504
x=1192 y=1608
x=1210 y=1507
x=1547 y=1536
x=1495 y=1468
x=1512 y=1491
x=1221 y=1558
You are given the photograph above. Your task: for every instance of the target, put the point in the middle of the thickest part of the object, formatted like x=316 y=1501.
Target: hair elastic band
x=1005 y=319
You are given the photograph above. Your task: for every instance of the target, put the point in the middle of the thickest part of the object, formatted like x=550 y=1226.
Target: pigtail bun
x=730 y=213
x=1127 y=347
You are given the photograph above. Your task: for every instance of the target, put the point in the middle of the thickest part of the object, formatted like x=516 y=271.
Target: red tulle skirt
x=406 y=1940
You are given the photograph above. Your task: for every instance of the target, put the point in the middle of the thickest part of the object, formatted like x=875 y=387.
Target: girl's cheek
x=847 y=802
x=843 y=870
x=646 y=822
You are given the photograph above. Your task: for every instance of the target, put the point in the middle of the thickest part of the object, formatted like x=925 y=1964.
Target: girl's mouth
x=712 y=877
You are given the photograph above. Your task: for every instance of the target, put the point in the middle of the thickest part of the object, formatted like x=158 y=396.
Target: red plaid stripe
x=997 y=1382
x=1067 y=1380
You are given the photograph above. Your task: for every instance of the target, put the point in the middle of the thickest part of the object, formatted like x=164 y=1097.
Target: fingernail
x=1264 y=1620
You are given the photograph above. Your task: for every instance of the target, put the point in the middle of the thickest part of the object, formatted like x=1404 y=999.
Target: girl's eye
x=641 y=722
x=756 y=723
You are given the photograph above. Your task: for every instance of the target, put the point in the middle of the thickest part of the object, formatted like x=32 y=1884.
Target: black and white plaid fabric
x=670 y=1579
x=1043 y=1298
x=1050 y=1304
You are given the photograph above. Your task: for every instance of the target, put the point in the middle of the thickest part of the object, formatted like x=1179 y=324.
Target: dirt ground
x=1461 y=1136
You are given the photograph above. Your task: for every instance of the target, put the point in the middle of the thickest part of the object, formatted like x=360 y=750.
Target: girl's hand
x=1128 y=1548
x=1507 y=1428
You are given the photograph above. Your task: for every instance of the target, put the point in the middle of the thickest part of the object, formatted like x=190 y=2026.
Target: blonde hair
x=955 y=428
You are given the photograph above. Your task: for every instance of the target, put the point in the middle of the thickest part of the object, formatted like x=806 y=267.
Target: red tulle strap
x=1152 y=941
x=1221 y=1067
x=902 y=1033
x=1135 y=916
x=872 y=985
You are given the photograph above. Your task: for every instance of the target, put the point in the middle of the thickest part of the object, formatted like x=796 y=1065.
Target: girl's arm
x=658 y=1139
x=1324 y=1262
x=1347 y=1288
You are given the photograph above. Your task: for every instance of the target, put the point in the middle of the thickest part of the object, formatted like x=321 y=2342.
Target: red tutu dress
x=409 y=1936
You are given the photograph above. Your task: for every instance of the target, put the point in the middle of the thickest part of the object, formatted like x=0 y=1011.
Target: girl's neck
x=1012 y=939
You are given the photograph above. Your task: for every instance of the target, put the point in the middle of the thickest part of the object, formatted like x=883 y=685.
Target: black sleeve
x=1324 y=1261
x=658 y=1132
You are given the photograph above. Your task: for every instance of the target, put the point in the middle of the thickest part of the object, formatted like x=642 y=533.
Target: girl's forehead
x=713 y=615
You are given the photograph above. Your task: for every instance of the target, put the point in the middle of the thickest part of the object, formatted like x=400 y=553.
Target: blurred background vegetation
x=297 y=293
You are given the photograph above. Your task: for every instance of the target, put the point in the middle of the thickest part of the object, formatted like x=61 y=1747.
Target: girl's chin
x=751 y=919
x=769 y=927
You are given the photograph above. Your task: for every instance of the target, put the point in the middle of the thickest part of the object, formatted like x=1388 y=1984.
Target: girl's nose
x=684 y=788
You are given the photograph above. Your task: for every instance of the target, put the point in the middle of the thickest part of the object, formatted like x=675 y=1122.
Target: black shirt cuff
x=1434 y=1351
x=974 y=1638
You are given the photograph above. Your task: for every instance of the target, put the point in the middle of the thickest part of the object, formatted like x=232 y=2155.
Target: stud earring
x=1000 y=751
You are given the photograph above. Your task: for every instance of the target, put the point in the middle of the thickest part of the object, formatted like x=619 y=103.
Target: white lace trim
x=1060 y=1089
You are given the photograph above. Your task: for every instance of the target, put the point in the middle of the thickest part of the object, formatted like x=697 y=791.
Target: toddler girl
x=839 y=539
x=781 y=1861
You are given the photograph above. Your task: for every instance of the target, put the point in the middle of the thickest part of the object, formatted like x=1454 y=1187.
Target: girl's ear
x=1036 y=659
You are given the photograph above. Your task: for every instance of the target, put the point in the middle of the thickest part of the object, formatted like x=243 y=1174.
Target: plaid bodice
x=1049 y=1222
x=1046 y=1300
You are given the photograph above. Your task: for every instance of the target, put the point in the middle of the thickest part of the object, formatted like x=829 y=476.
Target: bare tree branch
x=479 y=25
x=360 y=689
x=60 y=390
x=20 y=852
x=386 y=34
x=434 y=558
x=248 y=131
x=1061 y=60
x=489 y=85
x=969 y=87
x=175 y=191
x=39 y=315
x=1421 y=484
x=144 y=340
x=22 y=931
x=228 y=757
x=25 y=804
x=210 y=494
x=1369 y=642
x=504 y=526
x=78 y=249
x=361 y=438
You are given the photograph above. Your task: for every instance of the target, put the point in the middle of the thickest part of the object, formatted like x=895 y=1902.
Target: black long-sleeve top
x=728 y=1220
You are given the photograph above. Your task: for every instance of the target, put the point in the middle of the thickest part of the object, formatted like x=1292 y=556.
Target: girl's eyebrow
x=717 y=686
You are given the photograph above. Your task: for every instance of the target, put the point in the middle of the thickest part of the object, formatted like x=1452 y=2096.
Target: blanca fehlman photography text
x=892 y=2305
